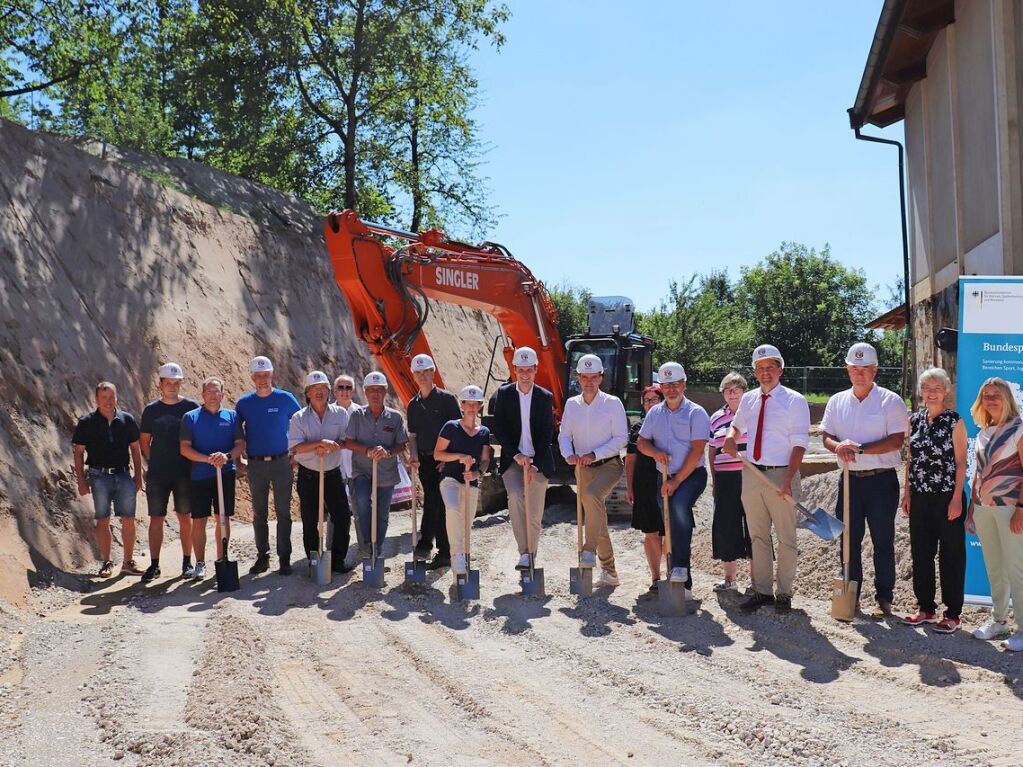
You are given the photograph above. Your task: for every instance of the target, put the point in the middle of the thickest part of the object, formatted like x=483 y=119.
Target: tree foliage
x=805 y=303
x=573 y=305
x=347 y=103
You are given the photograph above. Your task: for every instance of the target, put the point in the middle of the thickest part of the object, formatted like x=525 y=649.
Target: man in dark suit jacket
x=525 y=447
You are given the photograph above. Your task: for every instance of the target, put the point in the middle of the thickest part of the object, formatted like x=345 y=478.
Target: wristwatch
x=860 y=450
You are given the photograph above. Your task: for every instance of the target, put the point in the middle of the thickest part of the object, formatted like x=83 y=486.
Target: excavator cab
x=627 y=355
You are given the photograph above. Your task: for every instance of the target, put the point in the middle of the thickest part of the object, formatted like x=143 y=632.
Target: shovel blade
x=373 y=572
x=532 y=583
x=467 y=586
x=671 y=599
x=822 y=524
x=844 y=599
x=415 y=571
x=580 y=581
x=227 y=575
x=323 y=570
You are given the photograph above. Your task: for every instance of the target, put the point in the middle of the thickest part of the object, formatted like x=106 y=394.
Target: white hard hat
x=171 y=370
x=671 y=372
x=261 y=365
x=471 y=393
x=524 y=357
x=317 y=377
x=589 y=363
x=861 y=354
x=422 y=362
x=767 y=352
x=375 y=378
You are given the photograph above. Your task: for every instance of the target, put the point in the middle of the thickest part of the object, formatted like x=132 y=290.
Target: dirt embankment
x=113 y=262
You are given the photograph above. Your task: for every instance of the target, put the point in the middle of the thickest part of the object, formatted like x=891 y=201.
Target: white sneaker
x=607 y=578
x=992 y=630
x=200 y=570
x=458 y=564
x=523 y=562
x=679 y=574
x=726 y=585
x=1014 y=643
x=588 y=559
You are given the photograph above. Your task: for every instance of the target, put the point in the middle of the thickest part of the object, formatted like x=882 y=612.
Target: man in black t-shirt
x=168 y=472
x=102 y=441
x=428 y=411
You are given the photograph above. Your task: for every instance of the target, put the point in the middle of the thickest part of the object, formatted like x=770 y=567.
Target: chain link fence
x=806 y=380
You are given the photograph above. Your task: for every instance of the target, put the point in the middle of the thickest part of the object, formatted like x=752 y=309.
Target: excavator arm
x=389 y=289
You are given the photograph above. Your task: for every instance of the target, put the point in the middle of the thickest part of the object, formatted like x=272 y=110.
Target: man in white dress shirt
x=866 y=427
x=777 y=421
x=594 y=431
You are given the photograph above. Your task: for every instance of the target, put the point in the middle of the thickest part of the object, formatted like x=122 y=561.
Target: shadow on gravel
x=596 y=614
x=791 y=637
x=894 y=645
x=697 y=632
x=518 y=611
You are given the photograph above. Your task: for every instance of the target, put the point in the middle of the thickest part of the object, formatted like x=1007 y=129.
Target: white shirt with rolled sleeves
x=346 y=455
x=306 y=426
x=674 y=431
x=600 y=427
x=526 y=438
x=881 y=414
x=786 y=424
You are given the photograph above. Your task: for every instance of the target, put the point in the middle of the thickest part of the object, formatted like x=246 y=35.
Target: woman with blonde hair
x=934 y=503
x=996 y=506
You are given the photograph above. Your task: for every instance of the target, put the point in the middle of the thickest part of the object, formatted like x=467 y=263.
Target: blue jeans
x=364 y=509
x=117 y=490
x=680 y=511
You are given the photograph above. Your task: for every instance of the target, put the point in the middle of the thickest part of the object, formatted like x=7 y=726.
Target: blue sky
x=629 y=146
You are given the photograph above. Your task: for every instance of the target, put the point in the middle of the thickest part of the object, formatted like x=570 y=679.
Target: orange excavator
x=389 y=278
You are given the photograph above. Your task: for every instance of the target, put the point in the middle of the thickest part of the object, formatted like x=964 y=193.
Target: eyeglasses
x=344 y=387
x=651 y=401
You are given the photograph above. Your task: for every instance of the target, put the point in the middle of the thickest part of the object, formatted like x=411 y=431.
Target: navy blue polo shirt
x=106 y=442
x=265 y=421
x=210 y=433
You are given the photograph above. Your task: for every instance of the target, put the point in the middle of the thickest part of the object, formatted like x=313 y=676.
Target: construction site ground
x=284 y=672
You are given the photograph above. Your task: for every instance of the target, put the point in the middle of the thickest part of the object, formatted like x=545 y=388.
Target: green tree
x=573 y=305
x=806 y=303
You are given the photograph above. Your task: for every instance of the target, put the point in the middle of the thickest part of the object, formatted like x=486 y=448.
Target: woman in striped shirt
x=730 y=539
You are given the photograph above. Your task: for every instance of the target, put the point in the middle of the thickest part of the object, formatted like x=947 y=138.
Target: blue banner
x=990 y=344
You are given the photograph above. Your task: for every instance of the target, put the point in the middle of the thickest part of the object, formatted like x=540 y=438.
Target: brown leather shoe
x=130 y=568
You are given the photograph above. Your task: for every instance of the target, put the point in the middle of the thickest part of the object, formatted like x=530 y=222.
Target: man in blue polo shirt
x=211 y=438
x=264 y=415
x=675 y=433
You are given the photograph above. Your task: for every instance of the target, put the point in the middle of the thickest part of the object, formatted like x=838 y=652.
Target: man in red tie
x=777 y=421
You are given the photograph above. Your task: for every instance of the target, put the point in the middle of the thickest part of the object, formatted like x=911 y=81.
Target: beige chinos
x=765 y=508
x=597 y=484
x=1003 y=559
x=452 y=491
x=514 y=484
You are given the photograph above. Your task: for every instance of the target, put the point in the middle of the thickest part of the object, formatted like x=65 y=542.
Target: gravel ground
x=285 y=673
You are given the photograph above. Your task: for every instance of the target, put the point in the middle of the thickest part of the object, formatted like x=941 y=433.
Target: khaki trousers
x=1003 y=559
x=765 y=508
x=453 y=493
x=514 y=484
x=597 y=484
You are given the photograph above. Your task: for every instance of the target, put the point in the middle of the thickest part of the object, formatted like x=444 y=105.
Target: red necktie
x=759 y=440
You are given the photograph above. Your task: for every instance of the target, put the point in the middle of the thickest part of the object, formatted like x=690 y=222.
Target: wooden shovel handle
x=319 y=513
x=667 y=515
x=579 y=508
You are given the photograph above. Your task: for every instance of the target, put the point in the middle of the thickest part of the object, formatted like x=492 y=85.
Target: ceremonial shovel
x=467 y=584
x=580 y=578
x=415 y=571
x=531 y=579
x=227 y=571
x=844 y=593
x=818 y=521
x=671 y=597
x=373 y=568
x=323 y=571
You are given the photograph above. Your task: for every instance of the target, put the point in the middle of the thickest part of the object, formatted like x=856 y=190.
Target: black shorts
x=159 y=491
x=204 y=496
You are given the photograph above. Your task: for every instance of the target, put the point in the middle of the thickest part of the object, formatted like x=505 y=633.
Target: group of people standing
x=672 y=454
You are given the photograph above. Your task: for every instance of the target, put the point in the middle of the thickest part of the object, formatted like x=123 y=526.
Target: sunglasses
x=344 y=387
